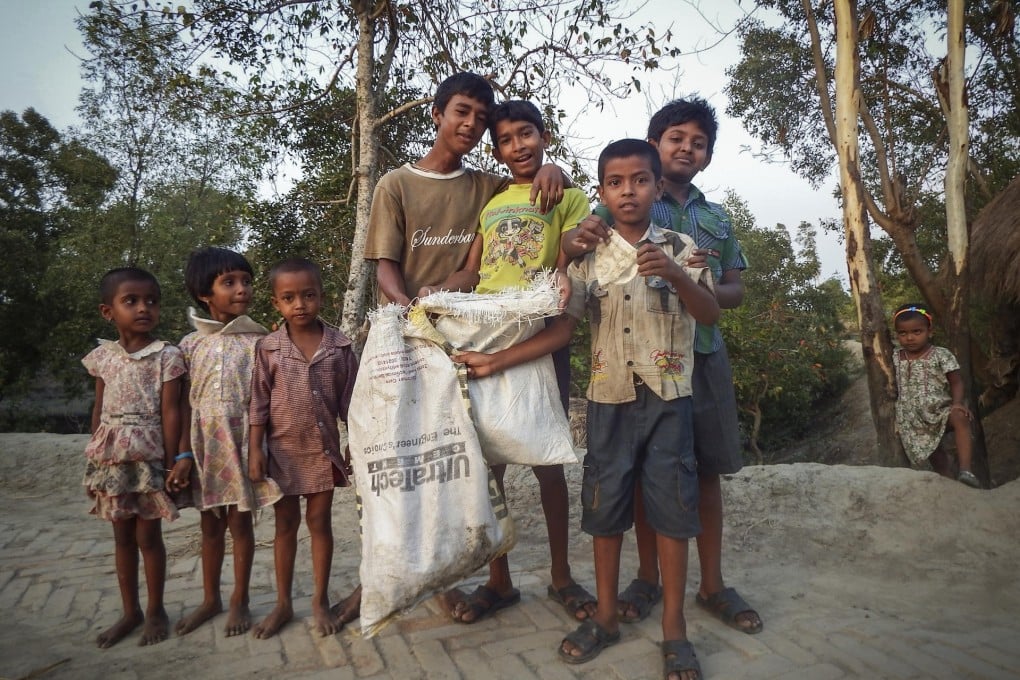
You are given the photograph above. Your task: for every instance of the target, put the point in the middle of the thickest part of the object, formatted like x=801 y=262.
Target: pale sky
x=39 y=41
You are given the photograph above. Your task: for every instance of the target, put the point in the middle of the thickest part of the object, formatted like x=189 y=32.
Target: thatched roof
x=995 y=246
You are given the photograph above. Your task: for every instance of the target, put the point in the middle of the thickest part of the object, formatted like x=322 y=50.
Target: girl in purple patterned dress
x=135 y=431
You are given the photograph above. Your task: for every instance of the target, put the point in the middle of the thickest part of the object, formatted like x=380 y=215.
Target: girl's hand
x=256 y=465
x=479 y=365
x=180 y=476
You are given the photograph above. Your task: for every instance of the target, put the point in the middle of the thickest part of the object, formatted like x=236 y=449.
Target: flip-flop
x=484 y=601
x=572 y=598
x=727 y=605
x=678 y=656
x=590 y=638
x=642 y=596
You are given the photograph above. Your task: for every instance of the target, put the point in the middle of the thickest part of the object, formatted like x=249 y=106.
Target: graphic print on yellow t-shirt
x=516 y=240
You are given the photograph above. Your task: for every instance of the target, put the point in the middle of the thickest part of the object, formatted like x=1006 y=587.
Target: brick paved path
x=824 y=618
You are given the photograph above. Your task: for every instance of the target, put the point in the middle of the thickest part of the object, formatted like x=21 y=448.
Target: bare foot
x=155 y=629
x=238 y=620
x=347 y=609
x=203 y=613
x=325 y=622
x=274 y=622
x=116 y=632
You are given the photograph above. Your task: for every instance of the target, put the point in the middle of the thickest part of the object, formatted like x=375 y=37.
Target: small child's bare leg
x=960 y=423
x=149 y=535
x=319 y=518
x=288 y=518
x=241 y=531
x=213 y=546
x=941 y=463
x=126 y=559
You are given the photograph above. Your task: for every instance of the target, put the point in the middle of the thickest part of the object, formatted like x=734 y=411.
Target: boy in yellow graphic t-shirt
x=515 y=241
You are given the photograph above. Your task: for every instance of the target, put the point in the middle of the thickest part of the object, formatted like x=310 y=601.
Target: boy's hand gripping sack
x=517 y=413
x=431 y=515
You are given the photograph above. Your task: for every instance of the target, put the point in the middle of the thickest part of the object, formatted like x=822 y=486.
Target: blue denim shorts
x=649 y=441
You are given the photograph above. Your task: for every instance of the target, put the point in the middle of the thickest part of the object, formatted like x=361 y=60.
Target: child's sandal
x=967 y=477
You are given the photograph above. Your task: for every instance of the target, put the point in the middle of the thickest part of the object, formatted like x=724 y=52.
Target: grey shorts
x=638 y=442
x=716 y=429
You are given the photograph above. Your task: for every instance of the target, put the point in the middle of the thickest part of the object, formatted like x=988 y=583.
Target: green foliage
x=279 y=60
x=48 y=186
x=784 y=340
x=316 y=218
x=905 y=137
x=182 y=177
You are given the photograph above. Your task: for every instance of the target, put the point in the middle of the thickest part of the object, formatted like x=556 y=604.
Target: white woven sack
x=517 y=413
x=431 y=515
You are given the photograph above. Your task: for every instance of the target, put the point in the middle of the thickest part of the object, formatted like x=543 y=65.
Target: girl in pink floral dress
x=135 y=431
x=213 y=474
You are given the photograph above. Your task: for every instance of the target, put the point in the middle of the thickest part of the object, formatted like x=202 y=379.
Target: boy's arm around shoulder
x=549 y=183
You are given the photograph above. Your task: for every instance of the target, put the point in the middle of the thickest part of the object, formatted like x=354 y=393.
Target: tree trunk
x=367 y=168
x=875 y=341
x=955 y=103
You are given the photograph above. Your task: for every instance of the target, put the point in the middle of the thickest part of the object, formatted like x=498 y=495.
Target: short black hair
x=205 y=264
x=625 y=148
x=112 y=279
x=515 y=110
x=680 y=111
x=293 y=265
x=911 y=311
x=465 y=83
